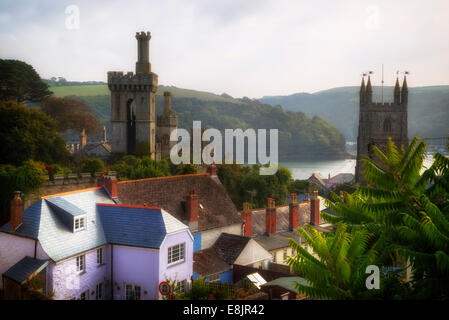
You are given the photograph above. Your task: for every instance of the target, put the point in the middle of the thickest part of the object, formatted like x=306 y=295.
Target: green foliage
x=338 y=269
x=92 y=165
x=299 y=135
x=245 y=184
x=131 y=167
x=407 y=221
x=23 y=178
x=301 y=187
x=29 y=134
x=20 y=82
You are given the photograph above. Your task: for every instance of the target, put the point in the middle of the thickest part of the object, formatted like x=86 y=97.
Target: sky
x=244 y=48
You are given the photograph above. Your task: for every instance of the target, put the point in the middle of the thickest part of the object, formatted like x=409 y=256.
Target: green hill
x=428 y=108
x=299 y=135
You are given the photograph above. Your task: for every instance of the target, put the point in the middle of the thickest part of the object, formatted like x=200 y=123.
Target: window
x=285 y=256
x=84 y=295
x=214 y=277
x=387 y=125
x=180 y=286
x=132 y=292
x=81 y=263
x=99 y=291
x=274 y=257
x=100 y=256
x=80 y=224
x=176 y=253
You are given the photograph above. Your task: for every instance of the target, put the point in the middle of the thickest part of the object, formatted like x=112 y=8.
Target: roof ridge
x=128 y=206
x=70 y=192
x=166 y=177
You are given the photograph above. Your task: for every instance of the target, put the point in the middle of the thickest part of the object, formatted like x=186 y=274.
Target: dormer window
x=80 y=223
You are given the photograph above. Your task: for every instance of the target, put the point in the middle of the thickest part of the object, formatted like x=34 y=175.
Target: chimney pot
x=293 y=210
x=16 y=211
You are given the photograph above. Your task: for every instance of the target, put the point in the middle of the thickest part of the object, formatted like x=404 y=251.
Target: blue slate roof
x=46 y=221
x=140 y=227
x=24 y=268
x=30 y=222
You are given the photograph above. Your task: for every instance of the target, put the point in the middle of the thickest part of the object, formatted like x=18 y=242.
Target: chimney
x=110 y=183
x=192 y=207
x=212 y=170
x=315 y=209
x=16 y=211
x=246 y=216
x=270 y=217
x=293 y=210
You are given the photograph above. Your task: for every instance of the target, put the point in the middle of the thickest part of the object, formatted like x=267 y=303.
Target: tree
x=407 y=219
x=70 y=114
x=29 y=134
x=338 y=268
x=92 y=165
x=20 y=82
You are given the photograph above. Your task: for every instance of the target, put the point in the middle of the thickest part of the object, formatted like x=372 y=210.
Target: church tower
x=133 y=104
x=379 y=121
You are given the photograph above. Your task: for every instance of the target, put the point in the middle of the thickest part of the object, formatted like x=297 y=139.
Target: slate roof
x=229 y=246
x=278 y=240
x=207 y=262
x=220 y=256
x=137 y=226
x=46 y=221
x=216 y=207
x=22 y=270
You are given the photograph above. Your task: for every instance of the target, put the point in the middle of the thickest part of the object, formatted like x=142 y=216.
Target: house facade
x=85 y=245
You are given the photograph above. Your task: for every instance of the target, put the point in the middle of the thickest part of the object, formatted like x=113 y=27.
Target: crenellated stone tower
x=379 y=121
x=166 y=123
x=133 y=104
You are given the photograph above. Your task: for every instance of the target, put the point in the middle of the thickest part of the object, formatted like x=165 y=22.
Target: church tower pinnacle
x=369 y=91
x=404 y=92
x=397 y=93
x=362 y=91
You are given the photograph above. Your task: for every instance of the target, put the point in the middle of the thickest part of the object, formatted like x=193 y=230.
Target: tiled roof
x=22 y=270
x=137 y=226
x=229 y=246
x=207 y=262
x=216 y=207
x=30 y=222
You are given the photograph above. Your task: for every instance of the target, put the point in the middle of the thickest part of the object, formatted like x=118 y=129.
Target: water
x=303 y=169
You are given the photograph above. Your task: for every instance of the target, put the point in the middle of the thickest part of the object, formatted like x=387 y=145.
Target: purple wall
x=136 y=266
x=183 y=270
x=67 y=283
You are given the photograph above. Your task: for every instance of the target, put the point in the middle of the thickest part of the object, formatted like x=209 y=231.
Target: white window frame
x=80 y=263
x=100 y=286
x=133 y=288
x=285 y=255
x=274 y=255
x=181 y=286
x=78 y=219
x=100 y=256
x=181 y=254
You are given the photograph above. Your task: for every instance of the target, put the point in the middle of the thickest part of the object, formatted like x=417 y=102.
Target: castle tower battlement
x=133 y=104
x=380 y=121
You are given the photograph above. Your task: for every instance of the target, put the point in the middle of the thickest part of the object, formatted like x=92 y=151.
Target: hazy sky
x=243 y=48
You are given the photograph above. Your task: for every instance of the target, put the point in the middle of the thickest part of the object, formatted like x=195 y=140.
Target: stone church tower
x=133 y=105
x=166 y=123
x=379 y=121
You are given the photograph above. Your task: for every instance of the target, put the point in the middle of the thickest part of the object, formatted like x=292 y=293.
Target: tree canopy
x=20 y=82
x=27 y=133
x=70 y=114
